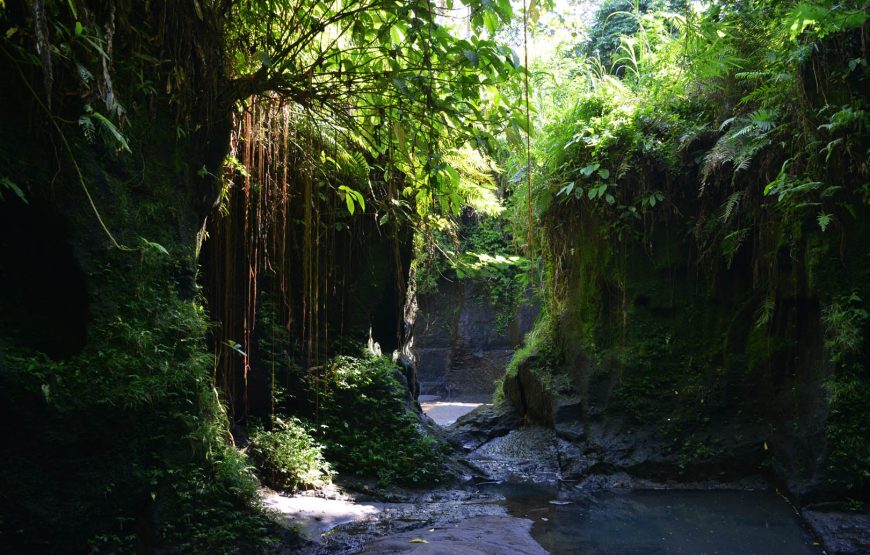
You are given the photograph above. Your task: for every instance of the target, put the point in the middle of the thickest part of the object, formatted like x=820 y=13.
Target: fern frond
x=728 y=209
x=722 y=152
x=764 y=119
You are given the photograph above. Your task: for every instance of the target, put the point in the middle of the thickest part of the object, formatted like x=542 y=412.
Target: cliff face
x=460 y=348
x=662 y=365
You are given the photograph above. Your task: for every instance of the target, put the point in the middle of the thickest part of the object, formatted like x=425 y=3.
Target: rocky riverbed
x=529 y=489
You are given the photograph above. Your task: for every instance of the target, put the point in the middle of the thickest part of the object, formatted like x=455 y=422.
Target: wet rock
x=528 y=392
x=610 y=482
x=643 y=451
x=524 y=455
x=841 y=533
x=439 y=510
x=568 y=417
x=483 y=424
x=540 y=400
x=492 y=535
x=620 y=481
x=573 y=462
x=616 y=447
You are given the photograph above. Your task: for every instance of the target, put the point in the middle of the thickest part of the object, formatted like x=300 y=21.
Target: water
x=660 y=522
x=445 y=413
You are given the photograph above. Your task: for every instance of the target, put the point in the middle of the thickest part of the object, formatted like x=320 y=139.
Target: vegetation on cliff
x=205 y=206
x=702 y=189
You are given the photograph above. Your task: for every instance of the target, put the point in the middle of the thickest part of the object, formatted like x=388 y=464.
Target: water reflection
x=660 y=522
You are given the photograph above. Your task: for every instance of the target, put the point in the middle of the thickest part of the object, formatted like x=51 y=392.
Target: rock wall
x=459 y=348
x=660 y=366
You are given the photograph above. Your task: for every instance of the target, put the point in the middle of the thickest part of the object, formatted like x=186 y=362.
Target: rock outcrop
x=459 y=348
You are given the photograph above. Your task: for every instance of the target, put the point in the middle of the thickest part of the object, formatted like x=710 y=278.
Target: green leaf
x=113 y=131
x=604 y=173
x=824 y=220
x=472 y=57
x=351 y=198
x=6 y=182
x=490 y=21
x=506 y=10
x=586 y=171
x=396 y=35
x=146 y=244
x=455 y=178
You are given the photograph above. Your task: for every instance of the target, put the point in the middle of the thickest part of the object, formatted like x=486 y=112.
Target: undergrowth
x=287 y=457
x=123 y=446
x=364 y=422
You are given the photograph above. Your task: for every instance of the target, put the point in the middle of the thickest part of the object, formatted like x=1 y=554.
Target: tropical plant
x=287 y=457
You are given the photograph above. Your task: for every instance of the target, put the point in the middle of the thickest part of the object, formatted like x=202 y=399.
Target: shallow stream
x=659 y=522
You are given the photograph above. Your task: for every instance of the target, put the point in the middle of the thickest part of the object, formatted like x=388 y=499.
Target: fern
x=731 y=244
x=730 y=206
x=764 y=119
x=88 y=129
x=110 y=133
x=765 y=312
x=746 y=137
x=824 y=220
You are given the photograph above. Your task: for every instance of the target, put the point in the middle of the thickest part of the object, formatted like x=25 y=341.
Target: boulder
x=483 y=424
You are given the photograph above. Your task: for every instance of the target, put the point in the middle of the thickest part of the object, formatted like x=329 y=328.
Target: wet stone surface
x=841 y=533
x=439 y=510
x=532 y=490
x=491 y=535
x=524 y=455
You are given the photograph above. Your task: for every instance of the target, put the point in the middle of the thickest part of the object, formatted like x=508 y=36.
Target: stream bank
x=518 y=496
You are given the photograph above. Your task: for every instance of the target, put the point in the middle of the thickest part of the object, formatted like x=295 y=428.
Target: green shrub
x=287 y=457
x=209 y=509
x=366 y=426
